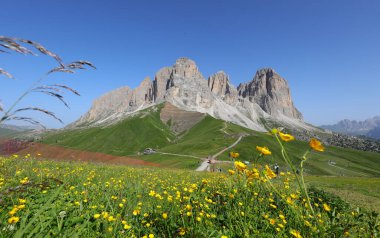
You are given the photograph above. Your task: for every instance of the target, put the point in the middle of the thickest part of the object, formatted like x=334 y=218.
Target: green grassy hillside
x=125 y=138
x=333 y=161
x=207 y=138
x=71 y=199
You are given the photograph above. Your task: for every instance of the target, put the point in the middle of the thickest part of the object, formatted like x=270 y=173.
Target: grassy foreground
x=358 y=191
x=45 y=199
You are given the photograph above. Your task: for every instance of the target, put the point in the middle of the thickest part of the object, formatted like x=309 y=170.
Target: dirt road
x=205 y=166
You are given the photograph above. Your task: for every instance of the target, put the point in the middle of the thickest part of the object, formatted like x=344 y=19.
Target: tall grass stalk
x=299 y=178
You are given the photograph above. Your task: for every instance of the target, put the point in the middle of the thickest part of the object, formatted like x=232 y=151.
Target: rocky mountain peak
x=271 y=92
x=186 y=68
x=267 y=95
x=220 y=85
x=160 y=83
x=268 y=72
x=143 y=93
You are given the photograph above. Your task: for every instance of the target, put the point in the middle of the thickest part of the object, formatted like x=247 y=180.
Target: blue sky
x=329 y=51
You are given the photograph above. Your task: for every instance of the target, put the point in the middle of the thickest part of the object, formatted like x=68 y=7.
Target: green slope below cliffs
x=127 y=137
x=206 y=138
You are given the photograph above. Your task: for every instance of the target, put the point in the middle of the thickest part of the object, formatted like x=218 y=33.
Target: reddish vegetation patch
x=61 y=153
x=181 y=120
x=9 y=147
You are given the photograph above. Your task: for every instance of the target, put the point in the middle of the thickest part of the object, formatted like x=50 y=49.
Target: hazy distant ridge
x=369 y=127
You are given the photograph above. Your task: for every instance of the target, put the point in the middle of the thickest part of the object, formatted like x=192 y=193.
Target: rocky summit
x=266 y=96
x=271 y=92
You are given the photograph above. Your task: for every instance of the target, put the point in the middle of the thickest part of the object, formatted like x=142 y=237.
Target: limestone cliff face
x=184 y=86
x=271 y=92
x=119 y=101
x=161 y=83
x=143 y=94
x=115 y=101
x=220 y=85
x=187 y=87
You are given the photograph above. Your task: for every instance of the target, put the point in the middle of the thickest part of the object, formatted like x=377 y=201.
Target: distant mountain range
x=9 y=131
x=17 y=128
x=369 y=128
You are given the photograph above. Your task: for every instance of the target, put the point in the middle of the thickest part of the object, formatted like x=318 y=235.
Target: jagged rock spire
x=220 y=85
x=271 y=92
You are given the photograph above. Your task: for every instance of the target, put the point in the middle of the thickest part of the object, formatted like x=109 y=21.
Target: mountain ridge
x=369 y=127
x=267 y=96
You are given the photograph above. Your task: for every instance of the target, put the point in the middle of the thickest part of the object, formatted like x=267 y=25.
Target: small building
x=149 y=151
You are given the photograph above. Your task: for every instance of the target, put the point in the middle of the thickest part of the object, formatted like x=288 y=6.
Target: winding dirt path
x=205 y=166
x=191 y=156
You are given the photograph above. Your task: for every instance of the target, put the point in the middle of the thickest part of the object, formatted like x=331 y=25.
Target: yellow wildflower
x=234 y=155
x=96 y=216
x=13 y=211
x=21 y=201
x=181 y=231
x=263 y=150
x=165 y=215
x=269 y=172
x=286 y=137
x=13 y=220
x=326 y=207
x=316 y=145
x=296 y=233
x=240 y=165
x=24 y=180
x=289 y=200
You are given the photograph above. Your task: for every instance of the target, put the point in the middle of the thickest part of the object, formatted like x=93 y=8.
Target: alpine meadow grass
x=41 y=198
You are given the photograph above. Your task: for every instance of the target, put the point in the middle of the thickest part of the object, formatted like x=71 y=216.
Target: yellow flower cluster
x=140 y=202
